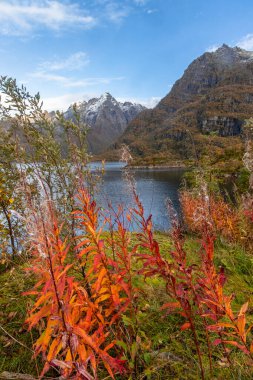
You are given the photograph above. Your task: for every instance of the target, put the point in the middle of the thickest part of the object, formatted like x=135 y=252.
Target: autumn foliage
x=196 y=292
x=79 y=315
x=85 y=289
x=201 y=206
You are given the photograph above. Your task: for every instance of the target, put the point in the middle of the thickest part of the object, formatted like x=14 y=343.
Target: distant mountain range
x=106 y=118
x=203 y=116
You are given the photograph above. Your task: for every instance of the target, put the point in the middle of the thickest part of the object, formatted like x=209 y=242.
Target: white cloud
x=68 y=82
x=116 y=12
x=87 y=82
x=62 y=102
x=22 y=17
x=141 y=2
x=148 y=102
x=19 y=17
x=246 y=42
x=212 y=48
x=151 y=102
x=151 y=11
x=48 y=76
x=73 y=62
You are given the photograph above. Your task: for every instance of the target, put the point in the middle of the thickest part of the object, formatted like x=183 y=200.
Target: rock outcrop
x=222 y=126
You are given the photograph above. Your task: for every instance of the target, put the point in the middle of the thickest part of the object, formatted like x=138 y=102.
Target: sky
x=71 y=51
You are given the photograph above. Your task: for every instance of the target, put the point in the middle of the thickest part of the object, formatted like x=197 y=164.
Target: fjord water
x=154 y=187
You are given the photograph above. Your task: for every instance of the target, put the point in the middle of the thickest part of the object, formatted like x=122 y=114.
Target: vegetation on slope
x=202 y=117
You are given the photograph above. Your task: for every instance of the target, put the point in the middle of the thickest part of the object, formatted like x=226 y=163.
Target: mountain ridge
x=106 y=117
x=204 y=112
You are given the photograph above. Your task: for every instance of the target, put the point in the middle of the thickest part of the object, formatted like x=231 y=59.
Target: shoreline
x=145 y=167
x=156 y=167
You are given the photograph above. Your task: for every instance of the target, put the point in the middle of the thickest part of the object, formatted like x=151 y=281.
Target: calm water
x=154 y=187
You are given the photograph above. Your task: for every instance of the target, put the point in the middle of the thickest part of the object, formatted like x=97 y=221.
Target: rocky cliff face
x=107 y=119
x=222 y=126
x=203 y=114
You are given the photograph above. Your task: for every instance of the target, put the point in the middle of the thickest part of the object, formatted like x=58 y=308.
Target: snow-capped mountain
x=107 y=119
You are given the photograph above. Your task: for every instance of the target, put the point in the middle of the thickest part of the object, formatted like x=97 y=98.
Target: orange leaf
x=185 y=326
x=170 y=305
x=86 y=250
x=100 y=279
x=103 y=298
x=244 y=308
x=54 y=348
x=35 y=318
x=64 y=271
x=241 y=322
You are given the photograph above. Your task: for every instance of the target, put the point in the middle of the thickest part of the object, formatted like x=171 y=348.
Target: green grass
x=169 y=352
x=15 y=357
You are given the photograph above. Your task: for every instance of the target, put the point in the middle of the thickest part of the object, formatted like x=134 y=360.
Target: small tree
x=46 y=150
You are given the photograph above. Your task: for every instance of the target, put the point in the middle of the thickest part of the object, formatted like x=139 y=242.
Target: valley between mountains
x=204 y=117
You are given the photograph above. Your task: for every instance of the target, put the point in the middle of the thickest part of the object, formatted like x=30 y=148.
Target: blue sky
x=135 y=49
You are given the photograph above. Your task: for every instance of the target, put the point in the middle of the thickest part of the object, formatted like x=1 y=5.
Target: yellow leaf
x=103 y=297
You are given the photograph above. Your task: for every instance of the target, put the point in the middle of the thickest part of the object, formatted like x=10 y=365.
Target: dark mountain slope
x=202 y=116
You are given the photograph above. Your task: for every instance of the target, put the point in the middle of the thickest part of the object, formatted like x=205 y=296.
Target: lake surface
x=154 y=187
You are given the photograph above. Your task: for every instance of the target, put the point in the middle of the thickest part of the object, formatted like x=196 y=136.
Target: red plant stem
x=11 y=233
x=55 y=286
x=209 y=348
x=86 y=281
x=172 y=286
x=189 y=316
x=195 y=338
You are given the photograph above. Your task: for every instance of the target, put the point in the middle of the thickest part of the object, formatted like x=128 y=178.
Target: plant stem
x=11 y=233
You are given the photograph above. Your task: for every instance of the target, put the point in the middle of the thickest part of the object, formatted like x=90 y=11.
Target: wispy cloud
x=62 y=102
x=74 y=62
x=116 y=12
x=56 y=71
x=141 y=2
x=148 y=102
x=212 y=48
x=68 y=82
x=19 y=17
x=151 y=11
x=246 y=42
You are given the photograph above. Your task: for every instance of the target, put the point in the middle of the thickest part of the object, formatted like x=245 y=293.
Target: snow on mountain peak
x=106 y=117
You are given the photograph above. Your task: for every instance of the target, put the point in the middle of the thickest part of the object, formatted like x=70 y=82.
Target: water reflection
x=154 y=187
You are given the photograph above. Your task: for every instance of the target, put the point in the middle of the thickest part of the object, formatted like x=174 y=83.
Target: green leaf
x=134 y=349
x=147 y=358
x=122 y=344
x=127 y=321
